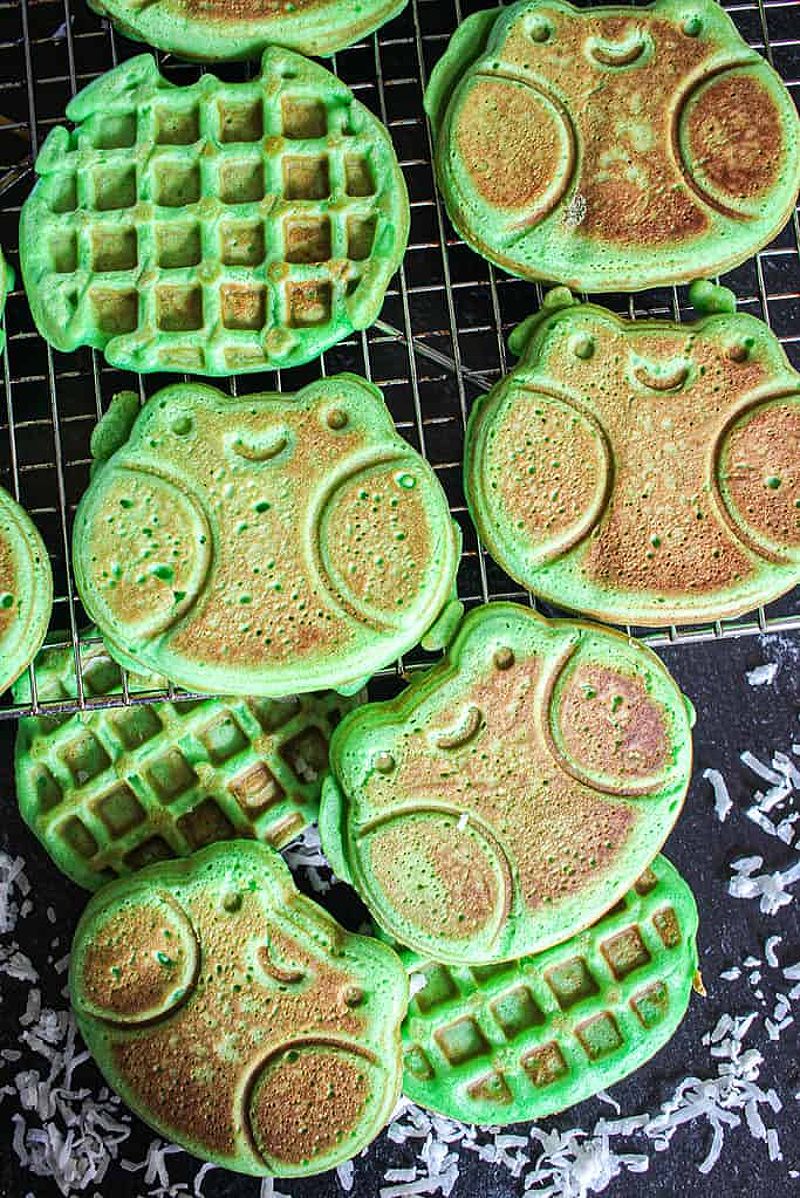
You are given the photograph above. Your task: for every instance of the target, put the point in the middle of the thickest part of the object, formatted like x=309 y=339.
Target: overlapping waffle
x=236 y=1016
x=512 y=793
x=215 y=228
x=26 y=590
x=214 y=30
x=110 y=790
x=270 y=545
x=520 y=1040
x=644 y=473
x=612 y=149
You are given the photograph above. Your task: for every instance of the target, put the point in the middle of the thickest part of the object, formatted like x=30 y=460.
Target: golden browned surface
x=735 y=136
x=760 y=470
x=8 y=586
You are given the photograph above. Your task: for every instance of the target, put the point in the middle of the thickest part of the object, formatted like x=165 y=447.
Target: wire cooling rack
x=442 y=334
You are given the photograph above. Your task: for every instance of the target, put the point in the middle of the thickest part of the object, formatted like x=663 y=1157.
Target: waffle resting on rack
x=26 y=590
x=215 y=228
x=112 y=789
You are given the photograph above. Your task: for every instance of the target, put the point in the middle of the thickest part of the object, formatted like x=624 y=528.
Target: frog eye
x=738 y=351
x=692 y=25
x=540 y=29
x=583 y=346
x=336 y=419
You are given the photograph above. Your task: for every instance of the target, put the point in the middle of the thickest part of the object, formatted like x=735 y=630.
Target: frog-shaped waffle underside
x=236 y=1016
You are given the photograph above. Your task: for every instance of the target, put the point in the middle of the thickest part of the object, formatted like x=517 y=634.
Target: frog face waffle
x=114 y=789
x=271 y=545
x=26 y=590
x=643 y=473
x=511 y=794
x=235 y=1016
x=214 y=30
x=216 y=228
x=612 y=149
x=521 y=1040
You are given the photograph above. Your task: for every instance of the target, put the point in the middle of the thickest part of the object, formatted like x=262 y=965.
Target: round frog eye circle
x=738 y=352
x=583 y=347
x=182 y=425
x=504 y=658
x=384 y=763
x=692 y=25
x=539 y=29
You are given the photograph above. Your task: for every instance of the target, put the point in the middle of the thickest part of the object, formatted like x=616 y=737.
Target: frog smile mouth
x=618 y=54
x=663 y=380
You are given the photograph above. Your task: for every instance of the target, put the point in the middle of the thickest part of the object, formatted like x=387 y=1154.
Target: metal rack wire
x=442 y=335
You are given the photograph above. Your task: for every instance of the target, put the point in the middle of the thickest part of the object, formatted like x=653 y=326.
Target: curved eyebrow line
x=662 y=382
x=259 y=453
x=464 y=733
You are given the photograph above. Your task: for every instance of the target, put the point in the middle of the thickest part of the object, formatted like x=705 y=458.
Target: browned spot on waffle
x=513 y=145
x=307 y=1103
x=760 y=472
x=8 y=586
x=734 y=135
x=610 y=726
x=245 y=10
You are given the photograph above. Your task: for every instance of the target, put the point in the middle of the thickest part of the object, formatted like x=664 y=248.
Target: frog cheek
x=492 y=117
x=732 y=134
x=378 y=540
x=312 y=1104
x=756 y=478
x=142 y=552
x=136 y=962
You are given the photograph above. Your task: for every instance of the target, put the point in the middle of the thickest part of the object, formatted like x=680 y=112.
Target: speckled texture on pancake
x=513 y=792
x=644 y=473
x=612 y=149
x=235 y=1016
x=112 y=789
x=217 y=228
x=216 y=30
x=26 y=590
x=270 y=545
x=524 y=1039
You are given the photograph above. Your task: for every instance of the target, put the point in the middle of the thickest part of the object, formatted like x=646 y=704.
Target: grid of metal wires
x=442 y=335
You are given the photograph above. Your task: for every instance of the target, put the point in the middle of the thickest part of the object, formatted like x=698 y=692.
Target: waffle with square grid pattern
x=216 y=228
x=504 y=1043
x=113 y=789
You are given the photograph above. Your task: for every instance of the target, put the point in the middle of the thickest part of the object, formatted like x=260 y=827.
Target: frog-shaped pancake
x=512 y=793
x=271 y=545
x=26 y=589
x=612 y=149
x=235 y=1016
x=644 y=473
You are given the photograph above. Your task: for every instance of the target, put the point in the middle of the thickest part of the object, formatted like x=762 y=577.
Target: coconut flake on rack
x=763 y=675
x=722 y=798
x=770 y=889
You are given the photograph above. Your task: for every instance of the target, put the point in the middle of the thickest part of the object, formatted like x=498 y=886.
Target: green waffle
x=110 y=790
x=216 y=228
x=213 y=30
x=521 y=1040
x=26 y=590
x=612 y=148
x=6 y=283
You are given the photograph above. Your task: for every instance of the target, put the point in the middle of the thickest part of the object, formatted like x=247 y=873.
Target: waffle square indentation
x=136 y=725
x=306 y=177
x=148 y=852
x=120 y=810
x=177 y=127
x=84 y=757
x=171 y=775
x=303 y=119
x=599 y=1035
x=241 y=181
x=516 y=1011
x=307 y=239
x=240 y=122
x=310 y=304
x=177 y=184
x=206 y=824
x=114 y=132
x=256 y=789
x=571 y=982
x=78 y=837
x=645 y=882
x=360 y=237
x=115 y=311
x=62 y=193
x=242 y=243
x=273 y=714
x=358 y=176
x=101 y=675
x=64 y=253
x=651 y=1004
x=223 y=738
x=461 y=1040
x=113 y=248
x=625 y=952
x=482 y=973
x=48 y=792
x=490 y=1087
x=439 y=987
x=417 y=1063
x=544 y=1065
x=306 y=754
x=179 y=309
x=666 y=924
x=244 y=307
x=114 y=187
x=178 y=245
